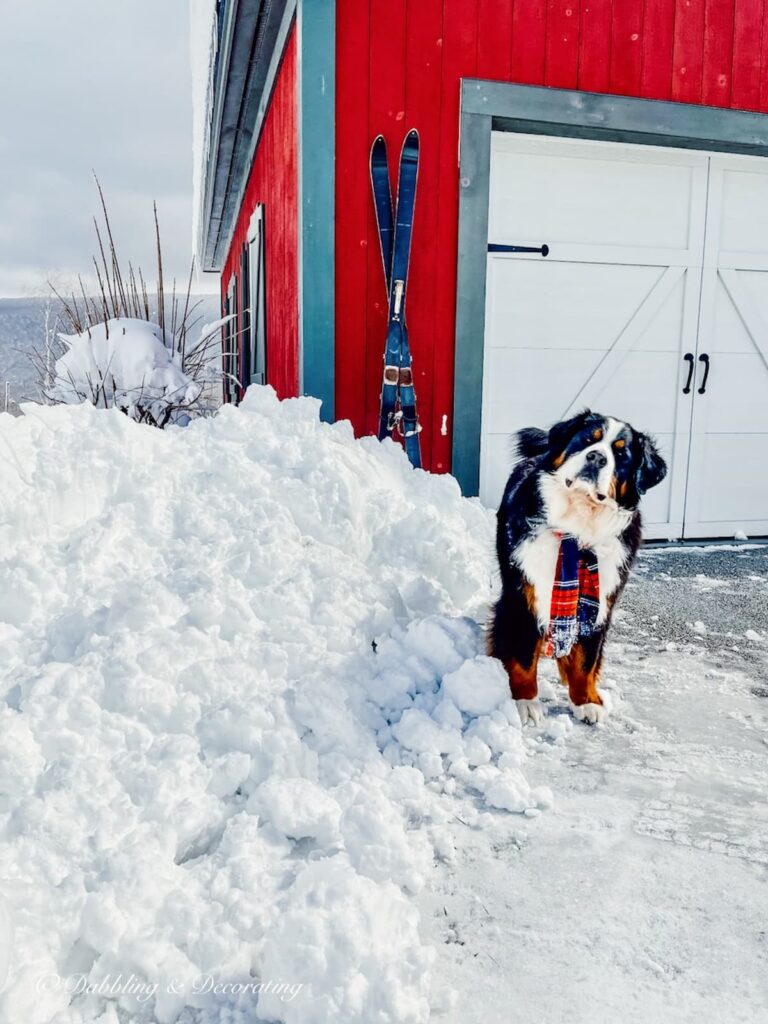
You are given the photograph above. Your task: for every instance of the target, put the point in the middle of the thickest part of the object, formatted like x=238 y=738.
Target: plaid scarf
x=575 y=597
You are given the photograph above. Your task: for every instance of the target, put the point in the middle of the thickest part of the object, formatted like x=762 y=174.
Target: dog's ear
x=651 y=469
x=529 y=443
x=561 y=433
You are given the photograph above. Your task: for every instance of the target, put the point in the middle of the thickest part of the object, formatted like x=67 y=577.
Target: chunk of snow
x=477 y=687
x=378 y=845
x=478 y=752
x=446 y=713
x=507 y=789
x=418 y=732
x=352 y=946
x=298 y=808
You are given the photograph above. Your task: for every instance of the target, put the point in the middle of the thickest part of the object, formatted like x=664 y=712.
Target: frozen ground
x=249 y=738
x=642 y=895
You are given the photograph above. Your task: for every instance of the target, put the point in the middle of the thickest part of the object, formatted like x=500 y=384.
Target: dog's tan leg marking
x=580 y=677
x=522 y=678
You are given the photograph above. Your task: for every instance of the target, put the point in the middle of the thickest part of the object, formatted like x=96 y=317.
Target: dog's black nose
x=596 y=459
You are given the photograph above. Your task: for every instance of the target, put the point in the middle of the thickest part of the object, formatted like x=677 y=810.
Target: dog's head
x=604 y=458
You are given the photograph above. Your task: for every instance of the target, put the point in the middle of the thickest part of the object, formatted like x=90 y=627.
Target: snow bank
x=243 y=684
x=123 y=363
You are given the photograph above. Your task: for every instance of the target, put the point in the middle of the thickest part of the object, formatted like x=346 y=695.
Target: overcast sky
x=102 y=85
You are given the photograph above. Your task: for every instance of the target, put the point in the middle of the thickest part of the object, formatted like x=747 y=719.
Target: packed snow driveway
x=254 y=765
x=643 y=894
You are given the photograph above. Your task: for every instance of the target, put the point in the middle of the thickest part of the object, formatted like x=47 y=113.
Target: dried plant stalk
x=117 y=295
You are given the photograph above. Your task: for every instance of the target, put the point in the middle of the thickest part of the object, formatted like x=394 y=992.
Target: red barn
x=627 y=136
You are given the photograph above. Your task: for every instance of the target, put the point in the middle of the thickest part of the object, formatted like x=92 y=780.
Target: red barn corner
x=627 y=137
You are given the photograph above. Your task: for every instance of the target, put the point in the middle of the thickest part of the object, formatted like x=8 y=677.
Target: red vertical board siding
x=561 y=56
x=688 y=51
x=423 y=69
x=400 y=65
x=748 y=32
x=626 y=48
x=658 y=44
x=529 y=36
x=764 y=70
x=595 y=45
x=386 y=116
x=460 y=25
x=718 y=52
x=273 y=181
x=353 y=214
x=494 y=40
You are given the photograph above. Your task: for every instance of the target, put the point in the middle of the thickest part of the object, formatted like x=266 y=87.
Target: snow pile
x=123 y=363
x=243 y=686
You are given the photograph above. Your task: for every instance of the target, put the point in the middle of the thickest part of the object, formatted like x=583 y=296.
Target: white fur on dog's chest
x=599 y=530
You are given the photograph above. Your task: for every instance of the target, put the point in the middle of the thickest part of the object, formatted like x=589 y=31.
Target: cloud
x=88 y=85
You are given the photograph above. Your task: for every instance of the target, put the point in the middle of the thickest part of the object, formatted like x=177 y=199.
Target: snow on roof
x=201 y=40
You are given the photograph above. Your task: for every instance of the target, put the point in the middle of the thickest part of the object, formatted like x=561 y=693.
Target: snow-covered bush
x=124 y=363
x=141 y=352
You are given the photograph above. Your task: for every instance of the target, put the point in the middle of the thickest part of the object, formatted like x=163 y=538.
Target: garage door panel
x=745 y=195
x=743 y=376
x=525 y=387
x=748 y=293
x=729 y=334
x=642 y=327
x=739 y=492
x=579 y=193
x=633 y=392
x=663 y=332
x=562 y=305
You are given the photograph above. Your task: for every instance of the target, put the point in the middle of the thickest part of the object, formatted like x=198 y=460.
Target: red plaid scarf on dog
x=575 y=597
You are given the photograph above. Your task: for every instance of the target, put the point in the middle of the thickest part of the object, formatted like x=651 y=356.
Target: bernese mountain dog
x=568 y=532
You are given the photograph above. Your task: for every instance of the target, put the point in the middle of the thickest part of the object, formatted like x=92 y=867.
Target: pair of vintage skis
x=398 y=397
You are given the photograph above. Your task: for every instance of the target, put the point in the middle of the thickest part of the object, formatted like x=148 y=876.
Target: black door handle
x=495 y=247
x=704 y=358
x=688 y=357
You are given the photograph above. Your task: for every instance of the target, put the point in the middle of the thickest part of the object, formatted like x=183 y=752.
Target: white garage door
x=657 y=272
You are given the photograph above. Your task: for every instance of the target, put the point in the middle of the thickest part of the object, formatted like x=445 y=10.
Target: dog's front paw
x=592 y=713
x=530 y=711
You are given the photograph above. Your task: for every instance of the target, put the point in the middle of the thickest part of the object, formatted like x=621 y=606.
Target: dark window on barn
x=244 y=362
x=230 y=343
x=256 y=335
